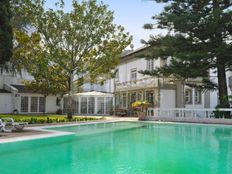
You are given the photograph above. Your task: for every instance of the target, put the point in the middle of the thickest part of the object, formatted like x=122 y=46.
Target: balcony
x=137 y=84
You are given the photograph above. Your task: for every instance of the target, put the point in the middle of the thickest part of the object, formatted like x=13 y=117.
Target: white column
x=95 y=103
x=29 y=104
x=87 y=98
x=104 y=105
x=38 y=104
x=79 y=106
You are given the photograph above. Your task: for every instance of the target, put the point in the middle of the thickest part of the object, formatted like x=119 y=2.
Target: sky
x=131 y=14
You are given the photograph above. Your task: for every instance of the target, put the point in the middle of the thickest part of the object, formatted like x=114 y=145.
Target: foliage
x=82 y=43
x=198 y=39
x=6 y=34
x=36 y=119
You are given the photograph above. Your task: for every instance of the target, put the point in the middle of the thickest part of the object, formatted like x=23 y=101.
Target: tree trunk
x=70 y=98
x=44 y=111
x=222 y=84
x=221 y=65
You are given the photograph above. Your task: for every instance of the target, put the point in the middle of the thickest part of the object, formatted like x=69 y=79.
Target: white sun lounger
x=5 y=127
x=9 y=122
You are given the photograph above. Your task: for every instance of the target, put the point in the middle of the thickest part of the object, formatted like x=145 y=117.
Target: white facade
x=130 y=86
x=14 y=99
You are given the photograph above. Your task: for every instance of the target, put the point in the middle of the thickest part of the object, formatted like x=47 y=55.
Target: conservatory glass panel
x=34 y=104
x=83 y=105
x=91 y=105
x=100 y=105
x=109 y=105
x=75 y=105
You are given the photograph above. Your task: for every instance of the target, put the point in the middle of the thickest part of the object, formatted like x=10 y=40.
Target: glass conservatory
x=91 y=103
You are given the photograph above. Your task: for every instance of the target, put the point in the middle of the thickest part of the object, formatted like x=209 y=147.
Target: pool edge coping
x=51 y=133
x=55 y=133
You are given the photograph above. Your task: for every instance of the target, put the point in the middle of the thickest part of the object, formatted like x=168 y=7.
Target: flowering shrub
x=140 y=105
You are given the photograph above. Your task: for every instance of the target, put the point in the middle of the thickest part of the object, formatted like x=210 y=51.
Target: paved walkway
x=34 y=130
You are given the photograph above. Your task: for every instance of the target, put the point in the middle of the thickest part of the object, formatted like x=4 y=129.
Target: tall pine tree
x=198 y=39
x=6 y=35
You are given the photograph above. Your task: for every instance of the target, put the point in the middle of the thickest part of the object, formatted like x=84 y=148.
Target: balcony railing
x=206 y=113
x=137 y=84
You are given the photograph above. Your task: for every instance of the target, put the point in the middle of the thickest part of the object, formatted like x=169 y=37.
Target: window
x=109 y=105
x=75 y=104
x=150 y=97
x=91 y=104
x=24 y=104
x=117 y=100
x=124 y=100
x=150 y=64
x=133 y=74
x=188 y=96
x=34 y=104
x=41 y=104
x=197 y=96
x=133 y=97
x=100 y=105
x=83 y=105
x=139 y=96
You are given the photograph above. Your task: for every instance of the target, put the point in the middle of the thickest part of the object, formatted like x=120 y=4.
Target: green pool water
x=124 y=148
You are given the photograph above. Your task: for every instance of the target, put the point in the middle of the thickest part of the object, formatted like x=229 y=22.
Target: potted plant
x=141 y=108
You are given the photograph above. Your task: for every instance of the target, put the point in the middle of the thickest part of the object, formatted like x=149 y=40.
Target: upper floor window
x=197 y=96
x=133 y=74
x=150 y=64
x=188 y=96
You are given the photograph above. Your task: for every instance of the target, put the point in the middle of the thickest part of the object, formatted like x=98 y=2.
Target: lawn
x=41 y=119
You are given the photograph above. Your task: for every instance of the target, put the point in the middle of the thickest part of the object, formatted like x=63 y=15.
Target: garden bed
x=43 y=119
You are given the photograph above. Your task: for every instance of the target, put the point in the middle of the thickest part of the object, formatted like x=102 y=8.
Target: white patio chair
x=18 y=126
x=6 y=127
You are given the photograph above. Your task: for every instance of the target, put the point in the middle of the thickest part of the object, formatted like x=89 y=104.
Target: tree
x=6 y=35
x=198 y=40
x=82 y=43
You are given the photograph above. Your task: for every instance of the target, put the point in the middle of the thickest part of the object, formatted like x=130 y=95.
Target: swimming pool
x=124 y=148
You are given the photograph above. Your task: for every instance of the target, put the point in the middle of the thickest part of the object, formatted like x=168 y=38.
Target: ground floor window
x=124 y=103
x=42 y=104
x=109 y=105
x=150 y=97
x=35 y=103
x=197 y=96
x=188 y=96
x=133 y=97
x=139 y=96
x=117 y=100
x=84 y=105
x=24 y=104
x=75 y=106
x=100 y=105
x=91 y=104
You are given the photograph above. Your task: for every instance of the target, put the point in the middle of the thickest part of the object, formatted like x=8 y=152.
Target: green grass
x=41 y=119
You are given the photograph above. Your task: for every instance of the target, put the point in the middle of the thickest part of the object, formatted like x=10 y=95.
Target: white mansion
x=128 y=86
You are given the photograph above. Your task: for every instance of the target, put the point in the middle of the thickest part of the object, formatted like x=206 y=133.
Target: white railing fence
x=190 y=113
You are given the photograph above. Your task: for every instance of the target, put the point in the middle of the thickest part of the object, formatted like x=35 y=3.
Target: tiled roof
x=23 y=89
